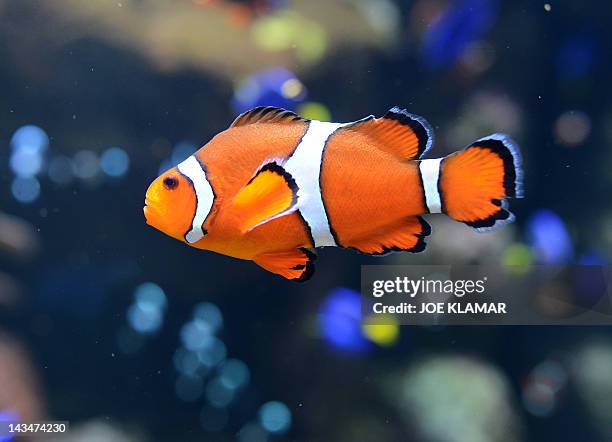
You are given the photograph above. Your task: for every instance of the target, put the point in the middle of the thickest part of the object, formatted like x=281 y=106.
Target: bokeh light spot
x=196 y=334
x=186 y=362
x=114 y=162
x=292 y=88
x=275 y=417
x=85 y=164
x=25 y=162
x=213 y=352
x=210 y=314
x=273 y=33
x=60 y=170
x=11 y=417
x=234 y=374
x=518 y=258
x=460 y=24
x=219 y=395
x=30 y=137
x=275 y=86
x=549 y=237
x=289 y=30
x=144 y=318
x=314 y=111
x=385 y=332
x=25 y=189
x=150 y=294
x=340 y=321
x=572 y=128
x=539 y=399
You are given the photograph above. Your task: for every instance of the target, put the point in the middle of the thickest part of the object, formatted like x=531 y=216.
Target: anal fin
x=296 y=264
x=407 y=237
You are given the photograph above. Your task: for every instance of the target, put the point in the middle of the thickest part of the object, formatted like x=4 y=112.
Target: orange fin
x=267 y=114
x=475 y=182
x=409 y=237
x=271 y=193
x=399 y=133
x=297 y=264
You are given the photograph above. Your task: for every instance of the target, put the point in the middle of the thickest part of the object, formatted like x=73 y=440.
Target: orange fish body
x=227 y=152
x=275 y=186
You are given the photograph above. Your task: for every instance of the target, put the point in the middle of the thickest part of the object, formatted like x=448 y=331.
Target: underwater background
x=132 y=336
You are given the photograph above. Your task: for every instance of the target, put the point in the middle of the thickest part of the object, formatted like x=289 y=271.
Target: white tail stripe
x=305 y=168
x=430 y=174
x=205 y=196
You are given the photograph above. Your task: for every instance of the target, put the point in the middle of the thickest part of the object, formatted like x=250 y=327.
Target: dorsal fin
x=266 y=114
x=398 y=132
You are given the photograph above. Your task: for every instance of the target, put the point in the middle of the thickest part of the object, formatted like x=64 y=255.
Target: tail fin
x=475 y=182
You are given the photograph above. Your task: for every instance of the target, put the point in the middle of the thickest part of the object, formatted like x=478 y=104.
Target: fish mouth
x=153 y=215
x=148 y=211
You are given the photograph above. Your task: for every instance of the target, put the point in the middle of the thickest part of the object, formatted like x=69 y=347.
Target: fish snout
x=150 y=212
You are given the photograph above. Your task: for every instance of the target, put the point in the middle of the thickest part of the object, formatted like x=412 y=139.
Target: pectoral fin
x=296 y=264
x=271 y=193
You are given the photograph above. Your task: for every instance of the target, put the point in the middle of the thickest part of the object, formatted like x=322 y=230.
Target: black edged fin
x=477 y=181
x=309 y=267
x=271 y=193
x=497 y=219
x=398 y=132
x=418 y=125
x=502 y=145
x=409 y=237
x=267 y=114
x=295 y=265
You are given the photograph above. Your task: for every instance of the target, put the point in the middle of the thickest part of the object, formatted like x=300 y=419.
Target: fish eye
x=170 y=183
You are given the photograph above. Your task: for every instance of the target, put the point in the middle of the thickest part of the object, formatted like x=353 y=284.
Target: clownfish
x=274 y=186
